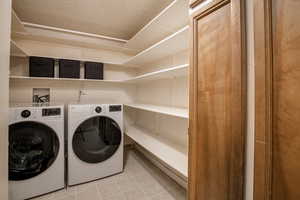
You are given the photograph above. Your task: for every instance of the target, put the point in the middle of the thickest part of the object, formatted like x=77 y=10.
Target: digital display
x=51 y=111
x=115 y=108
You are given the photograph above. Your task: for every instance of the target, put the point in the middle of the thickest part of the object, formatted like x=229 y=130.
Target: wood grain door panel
x=286 y=100
x=214 y=101
x=281 y=114
x=217 y=103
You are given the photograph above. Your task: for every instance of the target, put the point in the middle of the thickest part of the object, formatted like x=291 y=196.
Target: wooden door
x=277 y=60
x=217 y=102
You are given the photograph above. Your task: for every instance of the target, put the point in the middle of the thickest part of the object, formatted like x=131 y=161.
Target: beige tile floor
x=140 y=180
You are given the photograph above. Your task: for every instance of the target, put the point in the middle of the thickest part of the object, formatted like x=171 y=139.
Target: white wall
x=5 y=20
x=250 y=102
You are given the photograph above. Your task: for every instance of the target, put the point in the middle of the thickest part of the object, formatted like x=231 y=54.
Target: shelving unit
x=61 y=79
x=156 y=29
x=15 y=50
x=170 y=45
x=173 y=155
x=172 y=111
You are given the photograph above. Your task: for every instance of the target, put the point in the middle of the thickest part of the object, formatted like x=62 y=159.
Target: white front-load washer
x=36 y=151
x=95 y=142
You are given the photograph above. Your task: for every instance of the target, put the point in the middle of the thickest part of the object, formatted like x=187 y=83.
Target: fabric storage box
x=41 y=67
x=93 y=70
x=69 y=68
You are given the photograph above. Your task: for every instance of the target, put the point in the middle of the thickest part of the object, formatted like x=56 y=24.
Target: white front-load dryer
x=36 y=151
x=95 y=142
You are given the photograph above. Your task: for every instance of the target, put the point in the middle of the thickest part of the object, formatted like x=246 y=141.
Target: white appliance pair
x=37 y=153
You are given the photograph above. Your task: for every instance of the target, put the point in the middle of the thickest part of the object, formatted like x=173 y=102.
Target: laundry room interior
x=143 y=63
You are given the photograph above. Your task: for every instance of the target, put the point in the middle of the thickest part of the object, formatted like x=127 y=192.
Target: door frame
x=239 y=83
x=263 y=99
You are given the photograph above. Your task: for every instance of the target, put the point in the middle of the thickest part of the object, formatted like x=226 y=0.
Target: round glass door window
x=96 y=139
x=33 y=147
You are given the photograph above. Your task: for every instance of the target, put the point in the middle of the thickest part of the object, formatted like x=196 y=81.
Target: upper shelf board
x=15 y=50
x=16 y=24
x=162 y=25
x=63 y=79
x=170 y=45
x=172 y=111
x=177 y=71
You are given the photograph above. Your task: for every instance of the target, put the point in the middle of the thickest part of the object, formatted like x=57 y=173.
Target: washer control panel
x=51 y=112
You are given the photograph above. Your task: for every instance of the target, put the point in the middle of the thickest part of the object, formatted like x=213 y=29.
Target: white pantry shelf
x=173 y=155
x=172 y=111
x=177 y=71
x=162 y=25
x=62 y=79
x=168 y=46
x=15 y=50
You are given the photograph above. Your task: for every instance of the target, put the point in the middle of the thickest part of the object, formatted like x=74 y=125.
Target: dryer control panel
x=51 y=112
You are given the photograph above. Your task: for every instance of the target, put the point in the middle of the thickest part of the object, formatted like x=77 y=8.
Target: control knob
x=25 y=113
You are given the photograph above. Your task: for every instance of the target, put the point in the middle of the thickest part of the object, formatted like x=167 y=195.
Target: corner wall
x=5 y=23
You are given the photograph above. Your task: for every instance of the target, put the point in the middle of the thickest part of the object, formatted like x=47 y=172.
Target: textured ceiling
x=113 y=18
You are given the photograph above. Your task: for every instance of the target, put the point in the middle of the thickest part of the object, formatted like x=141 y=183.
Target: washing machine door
x=33 y=147
x=96 y=139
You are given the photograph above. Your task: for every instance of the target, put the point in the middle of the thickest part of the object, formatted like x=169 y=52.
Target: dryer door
x=96 y=139
x=33 y=147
